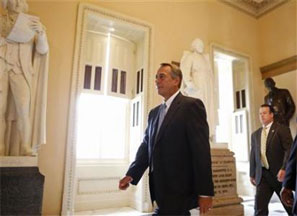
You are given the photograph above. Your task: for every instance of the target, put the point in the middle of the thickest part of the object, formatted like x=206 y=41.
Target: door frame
x=70 y=162
x=242 y=168
x=250 y=97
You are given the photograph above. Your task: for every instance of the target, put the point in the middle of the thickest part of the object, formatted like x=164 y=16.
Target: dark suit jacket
x=279 y=140
x=290 y=181
x=180 y=155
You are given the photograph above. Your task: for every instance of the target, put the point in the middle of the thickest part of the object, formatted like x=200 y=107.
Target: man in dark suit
x=290 y=182
x=177 y=150
x=269 y=154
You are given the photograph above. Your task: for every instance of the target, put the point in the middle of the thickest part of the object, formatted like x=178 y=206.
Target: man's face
x=265 y=115
x=166 y=85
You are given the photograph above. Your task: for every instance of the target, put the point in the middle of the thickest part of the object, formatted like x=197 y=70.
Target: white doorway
x=108 y=104
x=232 y=78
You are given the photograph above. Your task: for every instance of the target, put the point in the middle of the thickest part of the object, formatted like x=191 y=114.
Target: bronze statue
x=282 y=102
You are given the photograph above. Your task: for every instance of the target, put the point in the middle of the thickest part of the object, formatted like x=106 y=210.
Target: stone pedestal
x=226 y=200
x=21 y=186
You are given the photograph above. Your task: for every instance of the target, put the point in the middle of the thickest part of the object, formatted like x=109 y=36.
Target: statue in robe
x=198 y=80
x=23 y=80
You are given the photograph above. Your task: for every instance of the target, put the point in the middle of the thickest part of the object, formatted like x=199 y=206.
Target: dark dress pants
x=160 y=211
x=171 y=213
x=264 y=192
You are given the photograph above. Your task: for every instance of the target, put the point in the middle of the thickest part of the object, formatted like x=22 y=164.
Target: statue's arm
x=266 y=100
x=208 y=65
x=186 y=68
x=41 y=39
x=290 y=105
x=41 y=43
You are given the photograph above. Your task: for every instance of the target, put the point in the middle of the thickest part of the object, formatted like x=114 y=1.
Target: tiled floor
x=275 y=209
x=126 y=211
x=121 y=212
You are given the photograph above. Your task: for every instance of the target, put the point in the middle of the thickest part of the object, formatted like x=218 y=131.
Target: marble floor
x=126 y=211
x=275 y=209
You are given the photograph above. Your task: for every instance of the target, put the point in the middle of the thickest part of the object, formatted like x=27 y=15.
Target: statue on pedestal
x=23 y=80
x=281 y=101
x=198 y=80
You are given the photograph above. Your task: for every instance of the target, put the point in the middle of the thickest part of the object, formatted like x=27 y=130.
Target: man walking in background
x=269 y=154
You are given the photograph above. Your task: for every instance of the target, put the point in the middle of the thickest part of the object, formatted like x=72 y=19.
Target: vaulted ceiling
x=255 y=8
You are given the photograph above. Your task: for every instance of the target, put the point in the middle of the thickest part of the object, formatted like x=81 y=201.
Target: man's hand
x=281 y=175
x=205 y=203
x=253 y=181
x=287 y=197
x=124 y=182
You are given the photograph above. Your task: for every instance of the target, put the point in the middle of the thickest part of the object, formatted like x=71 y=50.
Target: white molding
x=250 y=92
x=111 y=188
x=70 y=164
x=254 y=8
x=12 y=161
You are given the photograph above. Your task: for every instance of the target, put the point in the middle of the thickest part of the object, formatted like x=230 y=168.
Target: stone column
x=226 y=200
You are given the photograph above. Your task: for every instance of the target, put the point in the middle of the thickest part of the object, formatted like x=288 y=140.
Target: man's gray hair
x=175 y=72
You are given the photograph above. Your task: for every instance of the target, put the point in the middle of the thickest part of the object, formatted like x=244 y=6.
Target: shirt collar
x=169 y=101
x=268 y=126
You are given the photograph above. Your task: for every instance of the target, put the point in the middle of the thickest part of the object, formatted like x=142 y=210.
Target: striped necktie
x=162 y=113
x=161 y=116
x=263 y=148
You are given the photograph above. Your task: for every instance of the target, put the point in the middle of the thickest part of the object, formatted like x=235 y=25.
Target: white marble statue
x=198 y=80
x=23 y=80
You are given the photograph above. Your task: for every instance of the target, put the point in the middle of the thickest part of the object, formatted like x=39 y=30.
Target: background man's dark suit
x=277 y=151
x=278 y=144
x=179 y=156
x=290 y=182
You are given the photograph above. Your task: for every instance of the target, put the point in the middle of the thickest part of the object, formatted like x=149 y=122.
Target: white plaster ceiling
x=97 y=23
x=101 y=24
x=255 y=8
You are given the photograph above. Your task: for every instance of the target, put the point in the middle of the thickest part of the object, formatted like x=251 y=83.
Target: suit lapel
x=155 y=127
x=170 y=113
x=271 y=134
